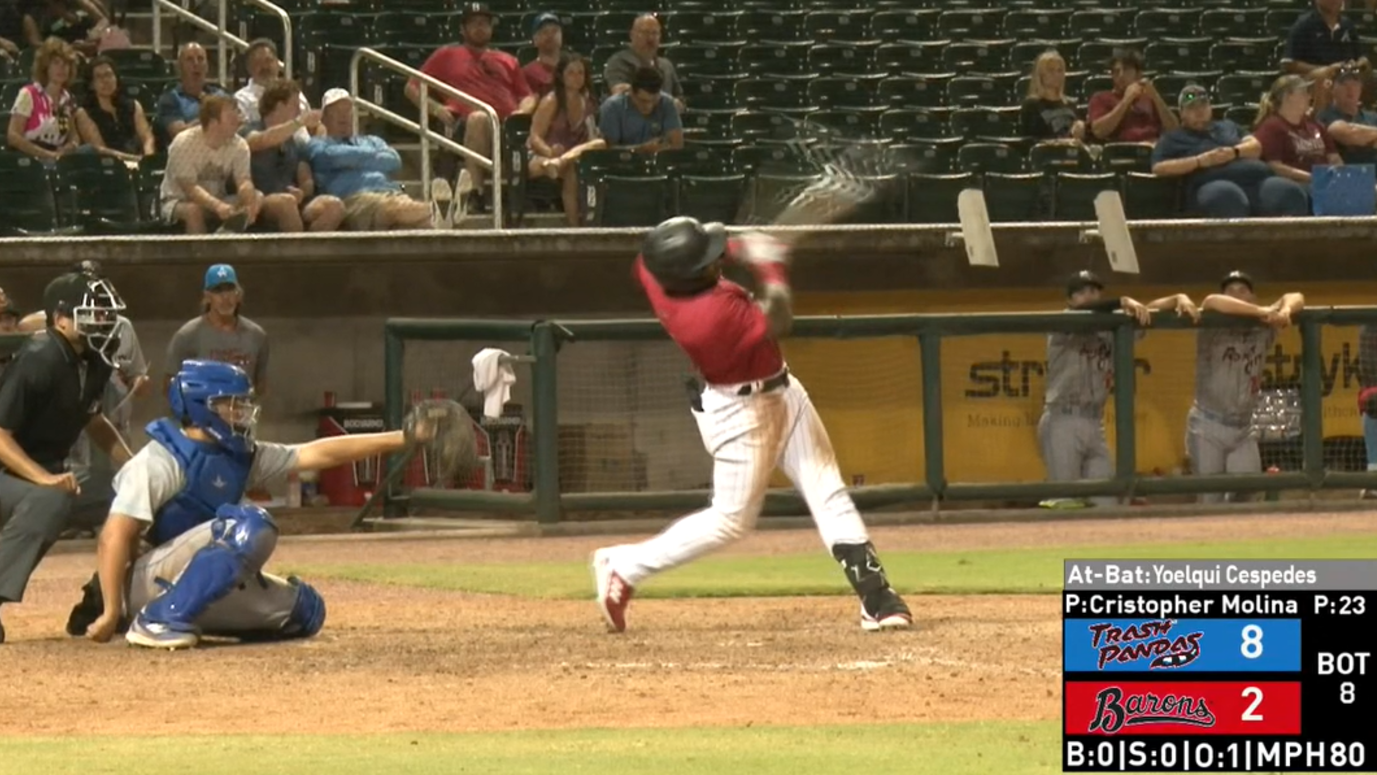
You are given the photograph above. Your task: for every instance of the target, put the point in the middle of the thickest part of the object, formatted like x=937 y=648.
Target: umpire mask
x=96 y=318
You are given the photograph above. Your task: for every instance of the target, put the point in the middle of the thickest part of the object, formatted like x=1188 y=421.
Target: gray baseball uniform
x=151 y=479
x=93 y=468
x=246 y=346
x=1080 y=372
x=1220 y=436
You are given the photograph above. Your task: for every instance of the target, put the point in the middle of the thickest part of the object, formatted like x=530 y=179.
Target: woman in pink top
x=42 y=120
x=563 y=127
x=1292 y=141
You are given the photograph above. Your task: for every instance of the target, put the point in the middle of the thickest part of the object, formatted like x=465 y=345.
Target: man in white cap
x=358 y=169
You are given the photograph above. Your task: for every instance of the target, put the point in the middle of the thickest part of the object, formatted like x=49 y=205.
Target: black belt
x=773 y=383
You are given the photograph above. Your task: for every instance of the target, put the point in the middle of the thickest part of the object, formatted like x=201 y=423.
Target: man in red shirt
x=753 y=415
x=1133 y=112
x=487 y=75
x=547 y=35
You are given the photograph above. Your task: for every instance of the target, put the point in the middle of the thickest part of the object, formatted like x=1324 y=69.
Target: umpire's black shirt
x=48 y=395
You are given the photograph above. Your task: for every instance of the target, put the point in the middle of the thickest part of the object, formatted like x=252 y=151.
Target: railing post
x=1312 y=402
x=424 y=121
x=1125 y=383
x=158 y=28
x=394 y=360
x=545 y=397
x=223 y=21
x=934 y=460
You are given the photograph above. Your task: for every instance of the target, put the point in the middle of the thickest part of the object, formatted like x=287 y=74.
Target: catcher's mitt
x=443 y=431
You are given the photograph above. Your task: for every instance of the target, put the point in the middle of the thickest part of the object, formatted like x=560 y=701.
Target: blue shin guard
x=242 y=540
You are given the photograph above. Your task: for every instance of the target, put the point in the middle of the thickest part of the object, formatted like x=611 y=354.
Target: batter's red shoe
x=885 y=611
x=614 y=594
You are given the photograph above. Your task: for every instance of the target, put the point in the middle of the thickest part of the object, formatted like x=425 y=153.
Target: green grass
x=1021 y=571
x=910 y=749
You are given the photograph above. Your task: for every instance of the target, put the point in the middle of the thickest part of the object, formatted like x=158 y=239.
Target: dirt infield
x=396 y=659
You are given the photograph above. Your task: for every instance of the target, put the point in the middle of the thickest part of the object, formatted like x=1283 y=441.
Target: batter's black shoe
x=2 y=632
x=90 y=608
x=885 y=610
x=881 y=606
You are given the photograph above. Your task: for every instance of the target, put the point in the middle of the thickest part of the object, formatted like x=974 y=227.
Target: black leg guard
x=867 y=576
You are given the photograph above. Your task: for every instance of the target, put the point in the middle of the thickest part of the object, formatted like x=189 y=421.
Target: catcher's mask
x=93 y=305
x=680 y=249
x=217 y=398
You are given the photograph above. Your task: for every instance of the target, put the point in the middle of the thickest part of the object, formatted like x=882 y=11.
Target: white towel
x=493 y=377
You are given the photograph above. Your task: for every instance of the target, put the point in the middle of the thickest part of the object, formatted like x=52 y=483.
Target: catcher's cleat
x=156 y=635
x=90 y=608
x=614 y=594
x=885 y=610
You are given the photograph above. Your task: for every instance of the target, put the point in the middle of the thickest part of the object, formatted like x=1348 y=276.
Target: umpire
x=48 y=396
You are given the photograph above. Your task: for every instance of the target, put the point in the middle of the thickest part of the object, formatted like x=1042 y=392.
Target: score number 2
x=1251 y=648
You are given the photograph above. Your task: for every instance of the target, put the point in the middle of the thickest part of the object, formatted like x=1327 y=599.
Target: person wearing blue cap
x=547 y=35
x=220 y=333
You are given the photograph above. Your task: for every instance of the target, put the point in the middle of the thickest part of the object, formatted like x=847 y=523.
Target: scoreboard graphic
x=1219 y=666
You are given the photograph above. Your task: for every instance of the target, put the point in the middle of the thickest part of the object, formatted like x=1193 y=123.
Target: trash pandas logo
x=1150 y=640
x=1114 y=711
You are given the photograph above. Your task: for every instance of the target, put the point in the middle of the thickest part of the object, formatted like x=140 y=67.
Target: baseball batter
x=183 y=493
x=1080 y=375
x=1220 y=435
x=753 y=416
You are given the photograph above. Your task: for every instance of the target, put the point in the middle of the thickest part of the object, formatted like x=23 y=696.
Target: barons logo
x=1114 y=712
x=1142 y=641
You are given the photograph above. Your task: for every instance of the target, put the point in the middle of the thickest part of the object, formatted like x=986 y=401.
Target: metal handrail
x=222 y=33
x=426 y=134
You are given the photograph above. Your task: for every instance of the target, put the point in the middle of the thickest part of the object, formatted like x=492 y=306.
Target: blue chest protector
x=214 y=475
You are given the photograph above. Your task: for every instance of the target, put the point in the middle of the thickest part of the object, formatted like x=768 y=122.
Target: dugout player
x=753 y=415
x=48 y=395
x=1220 y=434
x=1080 y=373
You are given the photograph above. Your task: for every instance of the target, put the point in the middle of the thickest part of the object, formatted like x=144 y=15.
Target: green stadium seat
x=972 y=90
x=144 y=93
x=757 y=93
x=1038 y=23
x=913 y=91
x=520 y=192
x=754 y=126
x=701 y=24
x=849 y=123
x=1234 y=23
x=1278 y=21
x=772 y=191
x=907 y=124
x=905 y=24
x=1240 y=89
x=402 y=28
x=857 y=93
x=775 y=58
x=1148 y=197
x=972 y=123
x=1076 y=192
x=713 y=123
x=610 y=28
x=977 y=56
x=932 y=198
x=27 y=202
x=1243 y=115
x=1126 y=157
x=708 y=94
x=388 y=89
x=971 y=23
x=981 y=157
x=1060 y=157
x=1180 y=56
x=1171 y=84
x=674 y=162
x=1096 y=54
x=1094 y=84
x=1101 y=23
x=912 y=57
x=625 y=201
x=769 y=158
x=770 y=25
x=149 y=179
x=710 y=197
x=719 y=145
x=1238 y=56
x=101 y=196
x=854 y=58
x=932 y=155
x=1014 y=197
x=1160 y=23
x=693 y=59
x=832 y=25
x=1024 y=52
x=140 y=63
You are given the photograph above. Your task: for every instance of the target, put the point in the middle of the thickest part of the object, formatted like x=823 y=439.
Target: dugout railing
x=545 y=342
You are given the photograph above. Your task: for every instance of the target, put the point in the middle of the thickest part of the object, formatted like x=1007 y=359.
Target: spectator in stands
x=643 y=52
x=547 y=35
x=355 y=168
x=490 y=76
x=179 y=108
x=1224 y=177
x=264 y=70
x=199 y=163
x=644 y=118
x=1048 y=114
x=69 y=21
x=279 y=171
x=1322 y=41
x=1133 y=111
x=1292 y=141
x=42 y=121
x=110 y=121
x=221 y=332
x=562 y=129
x=1352 y=127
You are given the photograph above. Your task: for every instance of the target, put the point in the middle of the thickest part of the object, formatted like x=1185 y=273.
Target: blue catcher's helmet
x=217 y=398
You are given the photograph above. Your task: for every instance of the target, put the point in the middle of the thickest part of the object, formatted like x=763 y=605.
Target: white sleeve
x=150 y=479
x=271 y=463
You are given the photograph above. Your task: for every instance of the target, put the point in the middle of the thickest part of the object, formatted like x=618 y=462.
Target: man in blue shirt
x=643 y=119
x=180 y=106
x=357 y=169
x=1321 y=41
x=1354 y=129
x=1223 y=174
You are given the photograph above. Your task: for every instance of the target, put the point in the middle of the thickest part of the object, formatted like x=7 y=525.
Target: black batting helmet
x=1083 y=279
x=1236 y=276
x=677 y=251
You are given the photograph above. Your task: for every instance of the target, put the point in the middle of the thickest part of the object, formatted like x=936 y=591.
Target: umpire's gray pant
x=31 y=518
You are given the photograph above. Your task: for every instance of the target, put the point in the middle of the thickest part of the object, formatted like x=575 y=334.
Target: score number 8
x=1252 y=642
